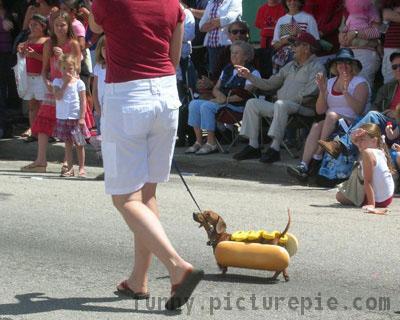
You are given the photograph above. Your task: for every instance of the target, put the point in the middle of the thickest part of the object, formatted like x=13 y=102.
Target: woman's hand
x=372 y=210
x=357 y=134
x=345 y=82
x=396 y=147
x=243 y=71
x=389 y=132
x=320 y=80
x=81 y=122
x=57 y=52
x=30 y=53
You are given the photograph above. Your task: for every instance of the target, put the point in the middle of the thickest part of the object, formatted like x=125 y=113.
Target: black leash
x=184 y=182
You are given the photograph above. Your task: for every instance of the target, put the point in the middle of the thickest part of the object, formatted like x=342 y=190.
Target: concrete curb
x=217 y=164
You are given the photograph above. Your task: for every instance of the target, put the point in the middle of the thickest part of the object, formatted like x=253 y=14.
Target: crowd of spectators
x=314 y=58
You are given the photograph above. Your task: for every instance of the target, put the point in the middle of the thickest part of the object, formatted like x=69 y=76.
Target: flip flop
x=181 y=292
x=123 y=289
x=32 y=167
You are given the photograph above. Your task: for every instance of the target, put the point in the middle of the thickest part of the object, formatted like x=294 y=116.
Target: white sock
x=254 y=143
x=304 y=164
x=317 y=157
x=275 y=145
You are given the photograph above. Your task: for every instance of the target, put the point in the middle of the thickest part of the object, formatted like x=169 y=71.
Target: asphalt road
x=64 y=248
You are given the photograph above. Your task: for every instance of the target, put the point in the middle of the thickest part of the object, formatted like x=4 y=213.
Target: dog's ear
x=221 y=226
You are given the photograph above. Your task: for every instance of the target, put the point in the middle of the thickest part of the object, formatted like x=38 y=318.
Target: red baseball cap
x=307 y=38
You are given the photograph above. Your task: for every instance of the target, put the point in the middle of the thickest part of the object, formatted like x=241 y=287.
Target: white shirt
x=305 y=21
x=382 y=179
x=69 y=105
x=228 y=12
x=338 y=104
x=100 y=73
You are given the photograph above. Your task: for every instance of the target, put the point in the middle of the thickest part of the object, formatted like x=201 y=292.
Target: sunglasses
x=395 y=66
x=236 y=31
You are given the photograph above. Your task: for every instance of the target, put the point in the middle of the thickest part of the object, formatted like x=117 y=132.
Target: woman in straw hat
x=344 y=96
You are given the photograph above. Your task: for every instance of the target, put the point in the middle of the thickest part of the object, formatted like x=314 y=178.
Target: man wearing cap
x=296 y=92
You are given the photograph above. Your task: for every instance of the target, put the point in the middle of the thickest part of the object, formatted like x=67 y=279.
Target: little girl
x=62 y=40
x=99 y=83
x=376 y=168
x=70 y=95
x=32 y=49
x=362 y=14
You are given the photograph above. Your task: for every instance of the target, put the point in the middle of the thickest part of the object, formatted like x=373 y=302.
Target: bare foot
x=134 y=287
x=82 y=172
x=179 y=272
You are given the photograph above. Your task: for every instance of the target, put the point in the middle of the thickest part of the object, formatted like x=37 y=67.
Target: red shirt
x=266 y=19
x=328 y=14
x=138 y=35
x=35 y=65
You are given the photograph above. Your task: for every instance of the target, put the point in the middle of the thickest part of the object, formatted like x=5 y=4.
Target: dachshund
x=215 y=228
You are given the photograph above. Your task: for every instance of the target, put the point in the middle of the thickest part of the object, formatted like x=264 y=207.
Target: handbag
x=353 y=188
x=21 y=77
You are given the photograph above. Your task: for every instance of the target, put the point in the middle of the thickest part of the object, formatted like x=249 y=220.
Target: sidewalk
x=217 y=164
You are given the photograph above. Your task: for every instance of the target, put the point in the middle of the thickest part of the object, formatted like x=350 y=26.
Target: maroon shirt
x=138 y=35
x=328 y=14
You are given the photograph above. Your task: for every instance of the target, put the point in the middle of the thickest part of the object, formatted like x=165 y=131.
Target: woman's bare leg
x=311 y=144
x=80 y=151
x=329 y=126
x=151 y=235
x=68 y=155
x=343 y=200
x=41 y=158
x=198 y=134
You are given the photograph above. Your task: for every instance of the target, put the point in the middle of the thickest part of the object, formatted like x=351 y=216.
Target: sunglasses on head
x=395 y=66
x=236 y=31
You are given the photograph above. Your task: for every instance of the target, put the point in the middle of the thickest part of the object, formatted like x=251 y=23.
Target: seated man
x=296 y=91
x=386 y=102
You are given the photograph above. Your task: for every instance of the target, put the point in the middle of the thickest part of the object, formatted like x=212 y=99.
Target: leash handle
x=184 y=182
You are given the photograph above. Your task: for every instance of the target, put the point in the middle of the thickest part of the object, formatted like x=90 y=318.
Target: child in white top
x=70 y=95
x=99 y=80
x=376 y=168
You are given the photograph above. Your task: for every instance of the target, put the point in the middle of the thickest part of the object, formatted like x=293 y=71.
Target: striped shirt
x=392 y=36
x=213 y=38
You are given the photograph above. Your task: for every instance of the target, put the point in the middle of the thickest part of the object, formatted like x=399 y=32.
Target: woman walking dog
x=139 y=124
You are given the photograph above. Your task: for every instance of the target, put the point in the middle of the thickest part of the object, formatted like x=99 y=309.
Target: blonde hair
x=374 y=131
x=100 y=44
x=69 y=58
x=354 y=68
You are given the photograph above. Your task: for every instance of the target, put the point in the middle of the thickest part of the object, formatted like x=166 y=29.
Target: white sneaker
x=194 y=148
x=207 y=149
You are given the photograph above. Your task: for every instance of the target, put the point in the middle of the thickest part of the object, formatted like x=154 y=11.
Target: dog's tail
x=276 y=240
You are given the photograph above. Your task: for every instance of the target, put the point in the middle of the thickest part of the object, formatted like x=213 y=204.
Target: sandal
x=123 y=289
x=181 y=292
x=82 y=174
x=68 y=173
x=33 y=167
x=207 y=149
x=194 y=148
x=26 y=133
x=64 y=168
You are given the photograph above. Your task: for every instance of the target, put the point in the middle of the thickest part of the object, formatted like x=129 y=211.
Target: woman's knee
x=333 y=116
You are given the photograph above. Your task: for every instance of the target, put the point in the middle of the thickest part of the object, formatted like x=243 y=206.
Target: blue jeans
x=371 y=117
x=202 y=113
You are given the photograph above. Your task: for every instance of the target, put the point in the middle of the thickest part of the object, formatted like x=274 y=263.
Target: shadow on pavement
x=239 y=278
x=36 y=302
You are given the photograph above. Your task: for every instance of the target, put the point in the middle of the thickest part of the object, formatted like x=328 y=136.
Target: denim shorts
x=138 y=125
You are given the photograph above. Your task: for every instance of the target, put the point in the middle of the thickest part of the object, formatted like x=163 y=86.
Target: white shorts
x=36 y=88
x=138 y=133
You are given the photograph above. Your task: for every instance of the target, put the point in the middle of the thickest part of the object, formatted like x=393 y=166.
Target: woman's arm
x=82 y=110
x=369 y=163
x=46 y=64
x=219 y=96
x=175 y=45
x=96 y=28
x=28 y=16
x=358 y=101
x=95 y=96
